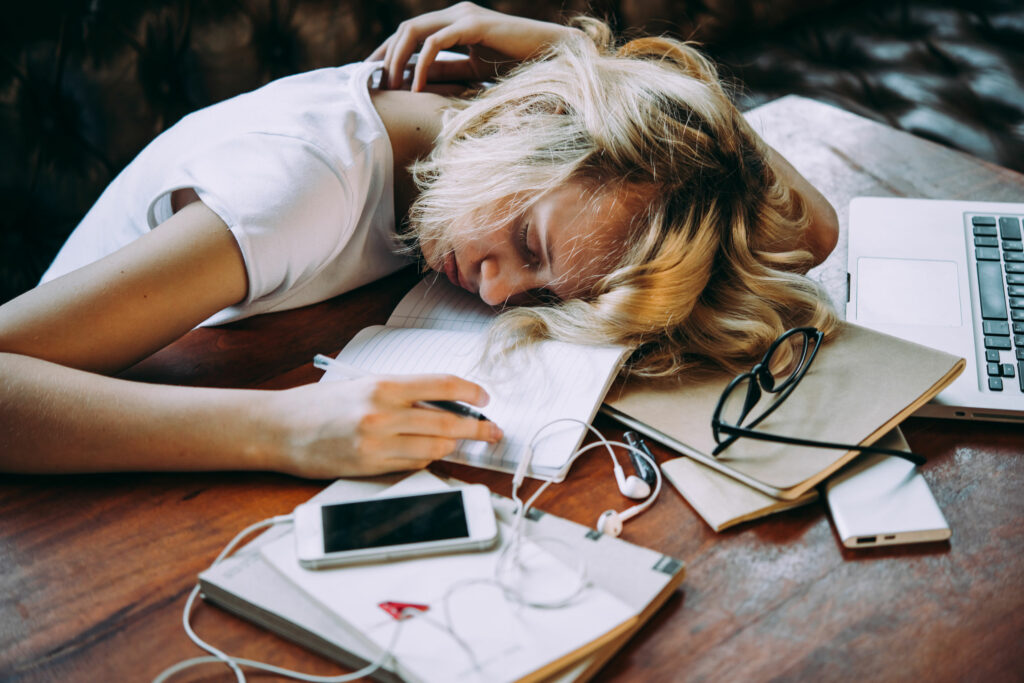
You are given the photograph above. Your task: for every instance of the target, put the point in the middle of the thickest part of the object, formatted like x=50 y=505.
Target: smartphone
x=393 y=527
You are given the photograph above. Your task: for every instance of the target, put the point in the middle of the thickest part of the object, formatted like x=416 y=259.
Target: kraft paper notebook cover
x=439 y=328
x=861 y=385
x=247 y=585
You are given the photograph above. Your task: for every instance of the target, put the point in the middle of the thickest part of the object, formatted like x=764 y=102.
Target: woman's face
x=561 y=245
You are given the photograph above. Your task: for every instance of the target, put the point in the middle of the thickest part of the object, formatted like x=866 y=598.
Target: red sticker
x=397 y=609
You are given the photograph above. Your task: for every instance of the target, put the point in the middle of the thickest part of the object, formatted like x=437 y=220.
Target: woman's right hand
x=494 y=40
x=372 y=425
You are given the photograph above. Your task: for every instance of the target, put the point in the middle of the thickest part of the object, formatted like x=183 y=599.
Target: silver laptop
x=950 y=275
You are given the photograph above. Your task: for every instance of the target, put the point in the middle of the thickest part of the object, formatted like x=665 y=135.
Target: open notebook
x=439 y=328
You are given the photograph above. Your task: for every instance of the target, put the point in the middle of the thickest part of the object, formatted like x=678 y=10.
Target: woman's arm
x=112 y=313
x=57 y=414
x=495 y=41
x=822 y=233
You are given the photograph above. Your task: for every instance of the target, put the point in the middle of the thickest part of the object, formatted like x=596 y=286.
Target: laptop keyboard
x=999 y=252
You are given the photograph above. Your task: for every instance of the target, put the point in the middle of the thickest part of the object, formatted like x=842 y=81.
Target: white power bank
x=884 y=500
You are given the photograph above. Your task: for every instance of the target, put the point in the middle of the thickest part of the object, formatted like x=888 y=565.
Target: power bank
x=884 y=500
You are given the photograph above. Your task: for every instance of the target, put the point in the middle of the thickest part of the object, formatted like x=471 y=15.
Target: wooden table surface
x=94 y=570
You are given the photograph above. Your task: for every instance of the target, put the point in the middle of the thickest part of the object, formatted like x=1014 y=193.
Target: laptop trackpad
x=908 y=292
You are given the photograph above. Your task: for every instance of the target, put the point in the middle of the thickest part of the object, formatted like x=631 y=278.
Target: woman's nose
x=502 y=283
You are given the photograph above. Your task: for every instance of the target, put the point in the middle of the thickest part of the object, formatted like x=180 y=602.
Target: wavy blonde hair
x=710 y=273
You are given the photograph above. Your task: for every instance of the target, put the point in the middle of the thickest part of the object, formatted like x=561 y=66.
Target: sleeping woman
x=598 y=192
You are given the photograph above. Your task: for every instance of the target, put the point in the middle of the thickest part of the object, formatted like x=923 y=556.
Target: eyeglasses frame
x=759 y=375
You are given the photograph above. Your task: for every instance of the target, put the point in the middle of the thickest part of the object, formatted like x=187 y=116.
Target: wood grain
x=94 y=570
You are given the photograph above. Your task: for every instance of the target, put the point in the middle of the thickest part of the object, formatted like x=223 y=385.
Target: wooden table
x=94 y=570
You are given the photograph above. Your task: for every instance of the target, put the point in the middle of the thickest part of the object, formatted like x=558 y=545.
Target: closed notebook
x=861 y=385
x=252 y=587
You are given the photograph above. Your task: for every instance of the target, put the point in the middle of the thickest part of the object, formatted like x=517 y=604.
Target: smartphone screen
x=394 y=521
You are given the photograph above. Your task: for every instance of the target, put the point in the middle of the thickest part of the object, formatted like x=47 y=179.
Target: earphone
x=611 y=521
x=632 y=486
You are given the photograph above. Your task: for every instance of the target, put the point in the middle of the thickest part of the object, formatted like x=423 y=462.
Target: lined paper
x=436 y=304
x=528 y=390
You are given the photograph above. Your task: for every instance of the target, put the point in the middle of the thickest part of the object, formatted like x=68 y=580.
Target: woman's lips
x=451 y=269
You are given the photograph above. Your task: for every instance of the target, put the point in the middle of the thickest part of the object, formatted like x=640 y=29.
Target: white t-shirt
x=300 y=171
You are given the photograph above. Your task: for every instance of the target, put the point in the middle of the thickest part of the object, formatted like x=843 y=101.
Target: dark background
x=84 y=85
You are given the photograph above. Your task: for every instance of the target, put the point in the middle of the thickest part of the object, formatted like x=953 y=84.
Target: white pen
x=326 y=362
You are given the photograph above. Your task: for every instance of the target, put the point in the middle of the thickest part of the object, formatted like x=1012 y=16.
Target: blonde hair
x=710 y=273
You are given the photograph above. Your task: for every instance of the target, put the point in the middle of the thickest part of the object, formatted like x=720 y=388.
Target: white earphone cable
x=509 y=554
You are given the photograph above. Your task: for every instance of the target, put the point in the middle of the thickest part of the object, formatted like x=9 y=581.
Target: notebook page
x=436 y=304
x=507 y=641
x=548 y=380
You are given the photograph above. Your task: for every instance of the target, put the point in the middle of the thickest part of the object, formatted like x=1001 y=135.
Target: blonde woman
x=615 y=187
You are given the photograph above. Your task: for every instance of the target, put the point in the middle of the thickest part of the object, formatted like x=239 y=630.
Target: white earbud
x=609 y=523
x=632 y=486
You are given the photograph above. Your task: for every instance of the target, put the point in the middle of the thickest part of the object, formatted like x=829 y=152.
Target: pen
x=642 y=467
x=324 y=362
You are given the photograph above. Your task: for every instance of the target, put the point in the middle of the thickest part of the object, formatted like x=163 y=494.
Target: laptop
x=950 y=275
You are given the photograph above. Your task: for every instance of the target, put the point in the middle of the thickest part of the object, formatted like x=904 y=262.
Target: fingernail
x=496 y=433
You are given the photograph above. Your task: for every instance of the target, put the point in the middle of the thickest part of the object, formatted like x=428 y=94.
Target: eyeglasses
x=738 y=413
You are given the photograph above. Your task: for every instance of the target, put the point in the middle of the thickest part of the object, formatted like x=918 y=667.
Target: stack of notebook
x=335 y=611
x=861 y=385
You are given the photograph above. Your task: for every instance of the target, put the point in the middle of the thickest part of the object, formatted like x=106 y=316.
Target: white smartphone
x=392 y=527
x=884 y=500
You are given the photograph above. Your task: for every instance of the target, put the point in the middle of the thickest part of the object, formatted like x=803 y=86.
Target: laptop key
x=1015 y=278
x=1009 y=227
x=995 y=383
x=987 y=253
x=1017 y=314
x=1018 y=328
x=1014 y=267
x=1007 y=369
x=1002 y=343
x=993 y=369
x=1015 y=290
x=986 y=230
x=981 y=241
x=983 y=220
x=990 y=290
x=1018 y=340
x=1014 y=256
x=1017 y=302
x=996 y=328
x=1020 y=374
x=1020 y=353
x=1013 y=245
x=991 y=356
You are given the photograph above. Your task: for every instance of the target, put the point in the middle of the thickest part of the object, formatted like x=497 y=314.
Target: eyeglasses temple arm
x=753 y=434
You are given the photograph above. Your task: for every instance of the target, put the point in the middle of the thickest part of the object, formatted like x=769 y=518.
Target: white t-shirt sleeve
x=288 y=207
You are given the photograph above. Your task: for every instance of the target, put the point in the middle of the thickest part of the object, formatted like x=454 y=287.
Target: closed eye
x=541 y=297
x=523 y=243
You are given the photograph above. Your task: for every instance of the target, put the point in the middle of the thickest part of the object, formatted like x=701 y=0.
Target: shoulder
x=412 y=119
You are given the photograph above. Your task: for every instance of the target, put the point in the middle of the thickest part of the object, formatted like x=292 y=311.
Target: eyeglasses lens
x=742 y=403
x=747 y=401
